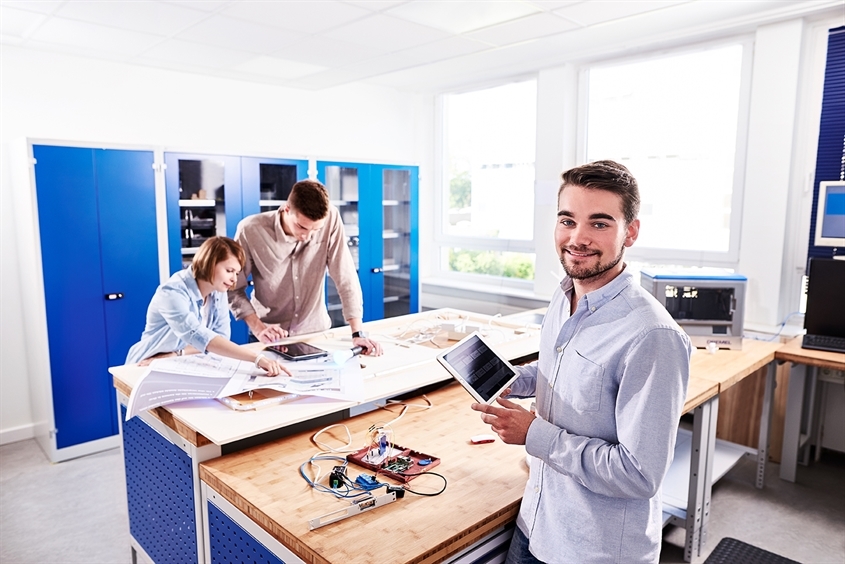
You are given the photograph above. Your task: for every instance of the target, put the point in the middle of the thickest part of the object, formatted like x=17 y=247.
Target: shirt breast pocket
x=583 y=384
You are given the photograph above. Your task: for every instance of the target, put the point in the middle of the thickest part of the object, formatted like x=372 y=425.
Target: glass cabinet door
x=266 y=183
x=396 y=235
x=342 y=183
x=203 y=197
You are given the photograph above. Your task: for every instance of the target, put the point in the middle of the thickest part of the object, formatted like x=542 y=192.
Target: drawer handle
x=375 y=270
x=114 y=296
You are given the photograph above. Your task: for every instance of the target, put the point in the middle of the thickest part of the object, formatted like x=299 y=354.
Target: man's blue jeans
x=518 y=552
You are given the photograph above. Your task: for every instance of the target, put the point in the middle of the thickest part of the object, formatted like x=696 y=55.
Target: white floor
x=75 y=512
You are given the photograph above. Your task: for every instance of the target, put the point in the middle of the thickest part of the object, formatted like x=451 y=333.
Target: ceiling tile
x=239 y=34
x=11 y=39
x=320 y=50
x=58 y=31
x=149 y=17
x=460 y=16
x=277 y=68
x=591 y=13
x=45 y=7
x=379 y=30
x=377 y=5
x=443 y=49
x=195 y=54
x=549 y=5
x=523 y=29
x=204 y=5
x=18 y=23
x=305 y=17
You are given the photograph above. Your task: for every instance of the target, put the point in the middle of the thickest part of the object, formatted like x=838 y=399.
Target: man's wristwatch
x=359 y=334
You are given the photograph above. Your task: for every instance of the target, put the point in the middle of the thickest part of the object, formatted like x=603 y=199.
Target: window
x=487 y=201
x=674 y=122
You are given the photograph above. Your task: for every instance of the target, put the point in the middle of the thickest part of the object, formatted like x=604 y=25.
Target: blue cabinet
x=379 y=206
x=96 y=223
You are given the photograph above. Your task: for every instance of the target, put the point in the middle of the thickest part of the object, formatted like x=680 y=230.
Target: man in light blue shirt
x=610 y=385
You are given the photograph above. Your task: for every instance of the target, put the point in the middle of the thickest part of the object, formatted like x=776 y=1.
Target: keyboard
x=824 y=343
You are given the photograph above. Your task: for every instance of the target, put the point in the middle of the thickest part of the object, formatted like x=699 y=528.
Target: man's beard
x=585 y=272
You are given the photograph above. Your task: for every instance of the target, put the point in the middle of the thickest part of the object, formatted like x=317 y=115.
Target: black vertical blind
x=830 y=159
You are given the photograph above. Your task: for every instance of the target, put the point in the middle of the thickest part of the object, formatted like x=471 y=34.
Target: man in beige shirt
x=287 y=252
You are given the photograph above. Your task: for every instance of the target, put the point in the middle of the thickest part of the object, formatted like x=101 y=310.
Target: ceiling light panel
x=591 y=13
x=19 y=23
x=305 y=17
x=523 y=29
x=58 y=31
x=324 y=51
x=149 y=17
x=379 y=31
x=189 y=53
x=460 y=16
x=239 y=34
x=277 y=68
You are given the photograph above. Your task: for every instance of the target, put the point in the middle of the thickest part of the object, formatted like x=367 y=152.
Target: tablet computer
x=483 y=373
x=297 y=351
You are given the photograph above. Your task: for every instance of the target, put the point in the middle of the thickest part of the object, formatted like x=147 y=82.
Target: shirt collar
x=597 y=298
x=191 y=284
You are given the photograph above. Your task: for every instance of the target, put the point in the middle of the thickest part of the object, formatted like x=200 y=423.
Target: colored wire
x=326 y=448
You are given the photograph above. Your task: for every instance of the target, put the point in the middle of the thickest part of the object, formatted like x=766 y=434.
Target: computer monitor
x=830 y=215
x=825 y=315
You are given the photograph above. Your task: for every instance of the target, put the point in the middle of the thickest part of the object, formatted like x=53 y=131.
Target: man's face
x=298 y=225
x=591 y=234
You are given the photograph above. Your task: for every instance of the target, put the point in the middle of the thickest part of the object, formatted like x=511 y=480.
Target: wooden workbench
x=485 y=485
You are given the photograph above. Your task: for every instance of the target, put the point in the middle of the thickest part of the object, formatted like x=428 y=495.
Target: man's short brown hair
x=212 y=252
x=610 y=176
x=309 y=198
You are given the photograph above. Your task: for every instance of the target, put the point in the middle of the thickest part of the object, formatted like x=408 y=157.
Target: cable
x=405 y=408
x=326 y=448
x=441 y=476
x=349 y=490
x=780 y=327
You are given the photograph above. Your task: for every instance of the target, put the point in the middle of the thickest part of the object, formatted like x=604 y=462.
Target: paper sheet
x=211 y=376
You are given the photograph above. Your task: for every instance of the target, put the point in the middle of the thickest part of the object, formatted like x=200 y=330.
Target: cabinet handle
x=375 y=270
x=114 y=296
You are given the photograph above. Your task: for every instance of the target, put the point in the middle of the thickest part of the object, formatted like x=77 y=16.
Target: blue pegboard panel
x=160 y=491
x=231 y=544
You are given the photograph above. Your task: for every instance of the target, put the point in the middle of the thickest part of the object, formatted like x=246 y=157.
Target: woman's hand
x=271 y=366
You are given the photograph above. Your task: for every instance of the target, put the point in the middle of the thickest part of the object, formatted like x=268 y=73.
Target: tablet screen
x=297 y=351
x=480 y=367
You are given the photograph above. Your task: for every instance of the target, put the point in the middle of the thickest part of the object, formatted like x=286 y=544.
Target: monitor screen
x=826 y=298
x=830 y=215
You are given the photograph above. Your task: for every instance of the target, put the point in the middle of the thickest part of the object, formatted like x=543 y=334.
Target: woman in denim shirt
x=189 y=313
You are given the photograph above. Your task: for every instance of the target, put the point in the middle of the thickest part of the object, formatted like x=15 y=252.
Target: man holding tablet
x=610 y=385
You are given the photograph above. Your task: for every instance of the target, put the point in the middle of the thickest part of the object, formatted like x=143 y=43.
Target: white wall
x=47 y=96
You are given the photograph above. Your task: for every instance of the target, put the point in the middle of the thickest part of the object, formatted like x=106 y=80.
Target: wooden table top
x=793 y=352
x=485 y=486
x=727 y=367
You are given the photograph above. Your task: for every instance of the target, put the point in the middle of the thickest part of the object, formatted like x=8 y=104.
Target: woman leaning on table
x=189 y=313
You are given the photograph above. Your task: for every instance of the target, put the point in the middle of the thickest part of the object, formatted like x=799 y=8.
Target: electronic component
x=338 y=477
x=481 y=439
x=393 y=493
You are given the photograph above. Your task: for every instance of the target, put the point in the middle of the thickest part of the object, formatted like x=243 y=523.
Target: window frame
x=444 y=240
x=652 y=255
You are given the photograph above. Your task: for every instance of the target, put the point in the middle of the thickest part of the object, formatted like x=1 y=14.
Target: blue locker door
x=73 y=290
x=128 y=243
x=371 y=251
